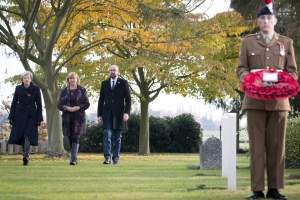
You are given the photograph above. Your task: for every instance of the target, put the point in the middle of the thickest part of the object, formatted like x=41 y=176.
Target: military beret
x=266 y=11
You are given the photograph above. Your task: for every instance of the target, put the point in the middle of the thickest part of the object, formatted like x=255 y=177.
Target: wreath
x=254 y=86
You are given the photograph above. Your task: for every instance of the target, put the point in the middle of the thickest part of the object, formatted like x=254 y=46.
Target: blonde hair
x=72 y=74
x=26 y=73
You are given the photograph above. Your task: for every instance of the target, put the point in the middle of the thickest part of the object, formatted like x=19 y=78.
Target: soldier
x=266 y=119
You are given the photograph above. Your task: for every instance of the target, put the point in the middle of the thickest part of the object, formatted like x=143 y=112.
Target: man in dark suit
x=266 y=119
x=113 y=111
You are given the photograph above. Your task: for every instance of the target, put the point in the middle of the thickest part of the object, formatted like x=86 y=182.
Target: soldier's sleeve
x=242 y=68
x=291 y=66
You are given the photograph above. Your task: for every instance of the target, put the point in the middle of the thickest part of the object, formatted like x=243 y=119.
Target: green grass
x=159 y=176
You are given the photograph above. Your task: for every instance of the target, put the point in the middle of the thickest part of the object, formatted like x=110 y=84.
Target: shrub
x=130 y=138
x=92 y=141
x=181 y=134
x=292 y=149
x=159 y=135
x=185 y=133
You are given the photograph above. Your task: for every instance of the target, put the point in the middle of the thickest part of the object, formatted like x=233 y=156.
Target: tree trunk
x=144 y=148
x=54 y=125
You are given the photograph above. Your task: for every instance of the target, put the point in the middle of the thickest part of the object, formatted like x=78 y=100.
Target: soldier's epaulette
x=251 y=35
x=284 y=37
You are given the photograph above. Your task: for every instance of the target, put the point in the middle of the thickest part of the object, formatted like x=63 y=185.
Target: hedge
x=292 y=149
x=181 y=134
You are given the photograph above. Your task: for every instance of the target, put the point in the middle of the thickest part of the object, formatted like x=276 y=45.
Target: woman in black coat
x=73 y=102
x=25 y=115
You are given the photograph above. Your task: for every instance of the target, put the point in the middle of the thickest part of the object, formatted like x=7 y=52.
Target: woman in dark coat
x=25 y=115
x=73 y=102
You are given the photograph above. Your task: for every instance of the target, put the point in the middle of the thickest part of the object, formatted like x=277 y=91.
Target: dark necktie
x=113 y=85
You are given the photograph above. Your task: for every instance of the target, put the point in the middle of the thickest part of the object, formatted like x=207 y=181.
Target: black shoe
x=25 y=160
x=73 y=163
x=274 y=194
x=106 y=162
x=256 y=195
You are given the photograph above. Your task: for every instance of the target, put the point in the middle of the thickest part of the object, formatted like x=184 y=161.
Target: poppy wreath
x=254 y=86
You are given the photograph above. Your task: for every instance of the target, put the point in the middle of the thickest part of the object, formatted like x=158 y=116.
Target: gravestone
x=17 y=148
x=41 y=146
x=3 y=146
x=211 y=154
x=10 y=148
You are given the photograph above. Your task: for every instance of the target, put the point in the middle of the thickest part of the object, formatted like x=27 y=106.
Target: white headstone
x=229 y=149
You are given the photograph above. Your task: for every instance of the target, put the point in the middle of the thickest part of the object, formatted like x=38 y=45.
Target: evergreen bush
x=181 y=134
x=159 y=134
x=292 y=149
x=92 y=140
x=185 y=133
x=130 y=138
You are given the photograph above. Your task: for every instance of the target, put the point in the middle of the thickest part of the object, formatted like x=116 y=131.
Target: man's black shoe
x=274 y=194
x=106 y=162
x=256 y=195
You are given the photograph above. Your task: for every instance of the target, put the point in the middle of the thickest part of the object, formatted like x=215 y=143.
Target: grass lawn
x=159 y=176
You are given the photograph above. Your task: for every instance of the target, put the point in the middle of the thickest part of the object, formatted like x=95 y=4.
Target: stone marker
x=10 y=148
x=41 y=146
x=17 y=148
x=229 y=133
x=3 y=146
x=211 y=154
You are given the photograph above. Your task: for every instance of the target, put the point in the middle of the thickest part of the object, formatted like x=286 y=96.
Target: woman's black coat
x=26 y=113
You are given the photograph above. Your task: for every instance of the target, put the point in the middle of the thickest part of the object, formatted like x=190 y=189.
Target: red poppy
x=254 y=86
x=28 y=94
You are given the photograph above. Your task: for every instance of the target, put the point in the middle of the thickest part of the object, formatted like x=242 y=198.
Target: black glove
x=12 y=122
x=38 y=123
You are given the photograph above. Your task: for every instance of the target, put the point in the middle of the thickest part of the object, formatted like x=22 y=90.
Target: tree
x=51 y=38
x=162 y=46
x=200 y=60
x=44 y=24
x=55 y=36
